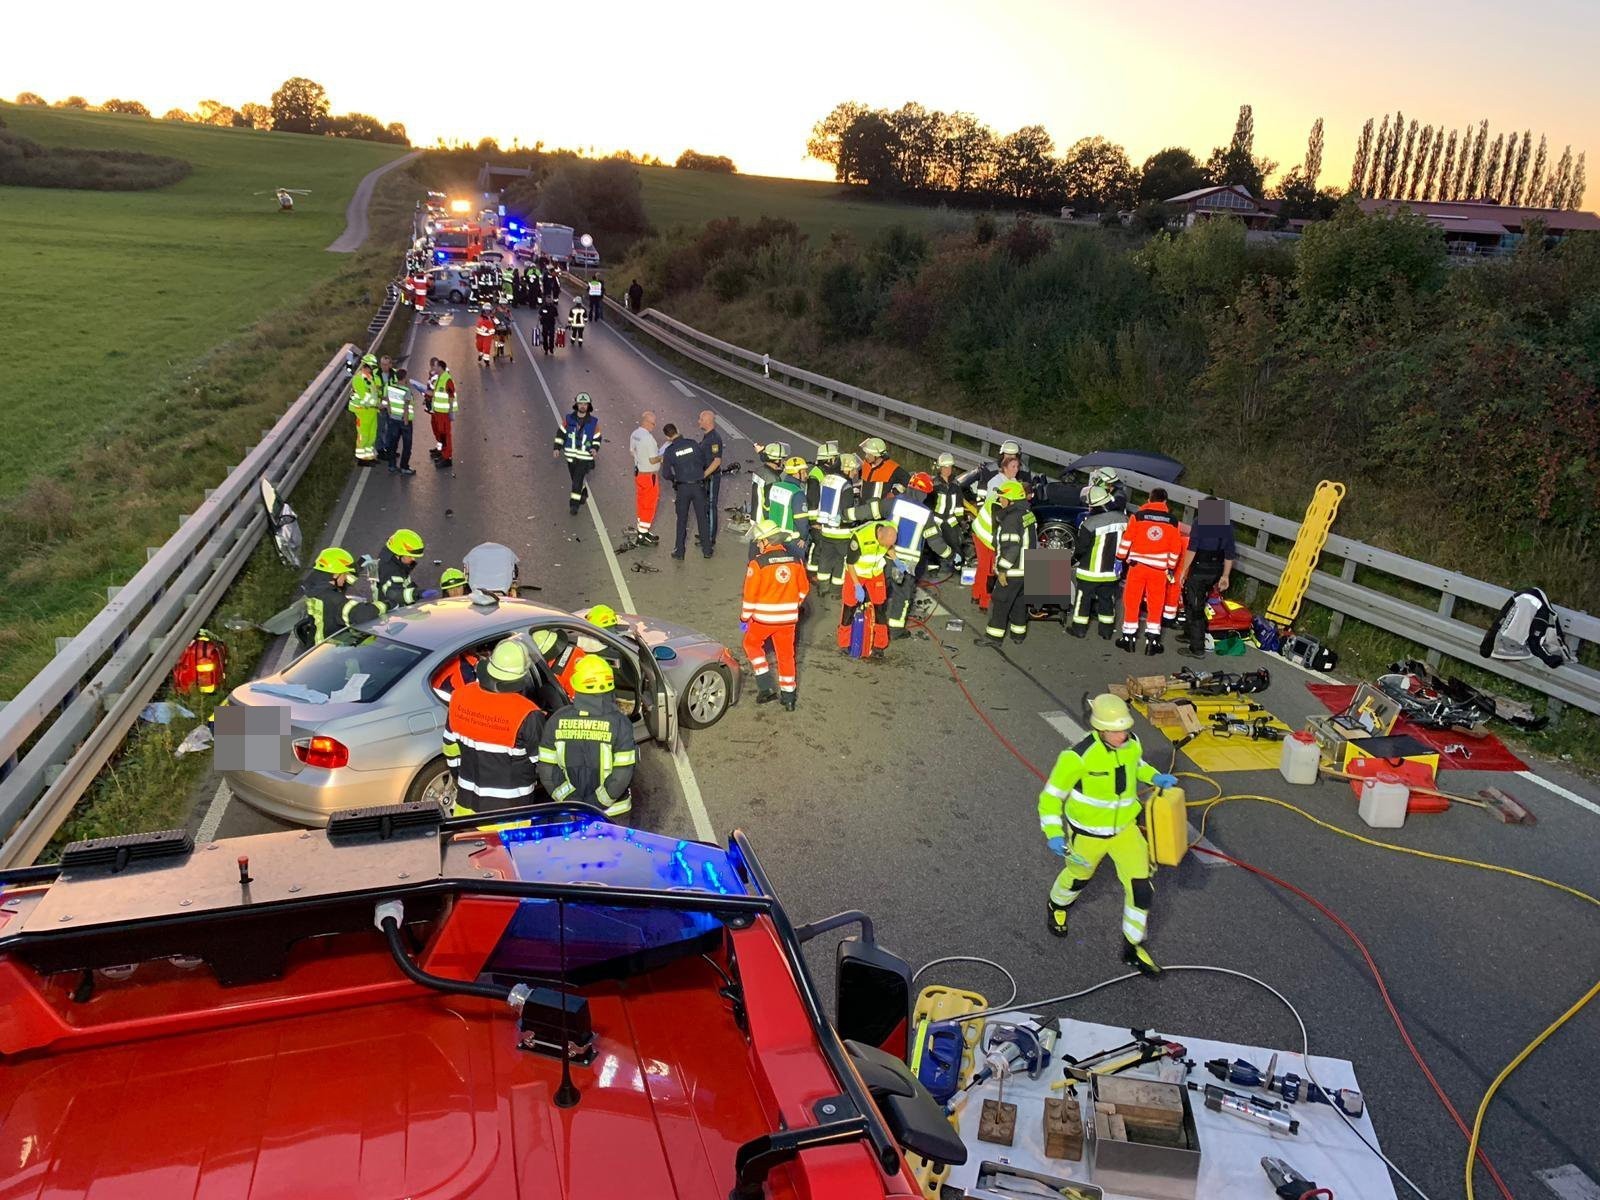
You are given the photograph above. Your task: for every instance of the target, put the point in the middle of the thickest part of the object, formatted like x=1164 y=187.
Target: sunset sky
x=749 y=79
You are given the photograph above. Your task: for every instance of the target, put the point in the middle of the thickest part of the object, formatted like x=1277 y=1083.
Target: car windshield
x=349 y=666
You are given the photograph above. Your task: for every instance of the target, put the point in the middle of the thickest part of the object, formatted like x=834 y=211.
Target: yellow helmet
x=593 y=677
x=764 y=530
x=545 y=640
x=794 y=466
x=1109 y=713
x=946 y=460
x=1012 y=489
x=603 y=616
x=510 y=663
x=874 y=447
x=406 y=543
x=334 y=561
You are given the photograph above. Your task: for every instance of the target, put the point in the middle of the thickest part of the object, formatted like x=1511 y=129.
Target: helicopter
x=285 y=196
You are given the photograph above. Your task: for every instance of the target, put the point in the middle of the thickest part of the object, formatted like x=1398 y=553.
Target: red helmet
x=922 y=482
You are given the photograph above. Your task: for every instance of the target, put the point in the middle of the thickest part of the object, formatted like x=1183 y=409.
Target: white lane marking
x=683 y=387
x=703 y=829
x=1569 y=1183
x=215 y=811
x=1561 y=791
x=1075 y=733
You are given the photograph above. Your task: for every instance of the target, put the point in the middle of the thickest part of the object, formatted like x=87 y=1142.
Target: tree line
x=299 y=106
x=1401 y=162
x=913 y=149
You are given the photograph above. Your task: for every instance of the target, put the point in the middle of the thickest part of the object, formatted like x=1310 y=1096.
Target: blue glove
x=430 y=594
x=1165 y=781
x=1058 y=845
x=744 y=626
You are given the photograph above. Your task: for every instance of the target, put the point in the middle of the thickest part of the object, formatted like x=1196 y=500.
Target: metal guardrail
x=69 y=720
x=930 y=433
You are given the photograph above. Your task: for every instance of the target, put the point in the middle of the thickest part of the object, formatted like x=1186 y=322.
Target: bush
x=846 y=304
x=693 y=160
x=1209 y=261
x=983 y=228
x=1026 y=241
x=1377 y=253
x=25 y=163
x=729 y=277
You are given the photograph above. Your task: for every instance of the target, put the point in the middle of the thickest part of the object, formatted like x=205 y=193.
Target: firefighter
x=502 y=333
x=399 y=558
x=1151 y=547
x=508 y=288
x=881 y=476
x=768 y=472
x=1089 y=810
x=329 y=606
x=830 y=536
x=547 y=326
x=775 y=588
x=577 y=318
x=866 y=563
x=948 y=504
x=983 y=523
x=1016 y=531
x=483 y=335
x=561 y=654
x=442 y=408
x=419 y=289
x=453 y=582
x=493 y=733
x=1095 y=568
x=587 y=752
x=365 y=397
x=577 y=441
x=917 y=535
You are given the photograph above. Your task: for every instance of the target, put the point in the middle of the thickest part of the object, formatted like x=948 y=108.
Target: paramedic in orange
x=775 y=587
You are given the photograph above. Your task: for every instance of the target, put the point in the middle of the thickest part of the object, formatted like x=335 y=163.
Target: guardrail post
x=1253 y=588
x=1348 y=574
x=1447 y=605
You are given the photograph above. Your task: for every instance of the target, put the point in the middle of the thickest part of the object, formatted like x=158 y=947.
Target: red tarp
x=1487 y=753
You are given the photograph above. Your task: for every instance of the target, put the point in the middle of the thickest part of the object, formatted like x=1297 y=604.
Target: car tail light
x=322 y=751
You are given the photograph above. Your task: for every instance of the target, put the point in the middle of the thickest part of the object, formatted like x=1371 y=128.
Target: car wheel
x=706 y=698
x=456 y=296
x=1056 y=535
x=434 y=783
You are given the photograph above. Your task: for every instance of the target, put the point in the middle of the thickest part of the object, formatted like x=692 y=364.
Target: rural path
x=886 y=791
x=355 y=216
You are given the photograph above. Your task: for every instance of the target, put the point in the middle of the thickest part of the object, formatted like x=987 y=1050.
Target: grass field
x=691 y=198
x=113 y=296
x=131 y=398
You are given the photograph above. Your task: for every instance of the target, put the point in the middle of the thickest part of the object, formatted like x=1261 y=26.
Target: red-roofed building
x=1477 y=227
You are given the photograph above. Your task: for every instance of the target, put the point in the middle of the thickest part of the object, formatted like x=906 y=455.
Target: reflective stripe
x=1098 y=830
x=1079 y=798
x=547 y=754
x=1053 y=790
x=1049 y=822
x=488 y=747
x=562 y=792
x=495 y=793
x=1164 y=561
x=625 y=758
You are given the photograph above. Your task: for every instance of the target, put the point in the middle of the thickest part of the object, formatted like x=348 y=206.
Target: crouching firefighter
x=1089 y=810
x=329 y=606
x=588 y=752
x=492 y=732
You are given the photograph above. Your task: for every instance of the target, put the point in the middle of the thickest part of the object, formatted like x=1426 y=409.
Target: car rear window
x=352 y=665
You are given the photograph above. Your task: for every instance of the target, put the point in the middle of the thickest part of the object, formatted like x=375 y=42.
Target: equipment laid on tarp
x=1284 y=606
x=1480 y=751
x=1527 y=626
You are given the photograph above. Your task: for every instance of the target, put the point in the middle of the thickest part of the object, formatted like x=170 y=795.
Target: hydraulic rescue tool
x=1144 y=1048
x=1011 y=1049
x=1224 y=683
x=1289 y=1183
x=1257 y=729
x=1290 y=1086
x=1250 y=1108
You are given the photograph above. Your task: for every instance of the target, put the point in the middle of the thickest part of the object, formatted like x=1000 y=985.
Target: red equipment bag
x=202 y=666
x=561 y=338
x=1226 y=616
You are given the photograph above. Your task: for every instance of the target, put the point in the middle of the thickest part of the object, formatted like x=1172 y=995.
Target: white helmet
x=1010 y=447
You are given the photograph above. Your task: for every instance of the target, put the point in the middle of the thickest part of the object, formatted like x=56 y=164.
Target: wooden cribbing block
x=1143 y=1102
x=998 y=1123
x=1063 y=1129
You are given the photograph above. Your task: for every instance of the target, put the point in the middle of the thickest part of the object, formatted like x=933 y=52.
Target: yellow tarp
x=1211 y=753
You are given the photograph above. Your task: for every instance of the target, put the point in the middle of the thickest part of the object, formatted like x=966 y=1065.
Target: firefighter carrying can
x=588 y=752
x=775 y=588
x=1089 y=810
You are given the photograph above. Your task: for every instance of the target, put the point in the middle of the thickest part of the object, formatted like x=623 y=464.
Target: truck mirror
x=873 y=997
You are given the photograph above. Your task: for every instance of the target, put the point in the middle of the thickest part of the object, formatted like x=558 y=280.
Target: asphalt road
x=355 y=218
x=886 y=791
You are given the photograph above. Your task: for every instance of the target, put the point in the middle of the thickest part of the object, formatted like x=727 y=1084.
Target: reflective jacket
x=1152 y=538
x=1094 y=553
x=577 y=318
x=947 y=498
x=1093 y=788
x=786 y=500
x=579 y=437
x=867 y=556
x=587 y=751
x=916 y=530
x=983 y=522
x=444 y=394
x=395 y=586
x=398 y=402
x=1015 y=534
x=775 y=586
x=364 y=391
x=882 y=478
x=491 y=744
x=329 y=609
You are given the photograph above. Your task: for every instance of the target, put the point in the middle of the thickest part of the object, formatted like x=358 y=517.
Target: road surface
x=355 y=215
x=888 y=791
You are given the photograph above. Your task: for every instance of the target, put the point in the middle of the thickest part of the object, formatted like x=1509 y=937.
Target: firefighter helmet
x=452 y=577
x=593 y=676
x=1011 y=489
x=405 y=543
x=510 y=662
x=369 y=360
x=1099 y=497
x=945 y=460
x=1104 y=477
x=334 y=561
x=603 y=616
x=1009 y=447
x=774 y=452
x=874 y=447
x=848 y=463
x=582 y=398
x=794 y=466
x=1109 y=713
x=545 y=640
x=827 y=452
x=765 y=530
x=922 y=482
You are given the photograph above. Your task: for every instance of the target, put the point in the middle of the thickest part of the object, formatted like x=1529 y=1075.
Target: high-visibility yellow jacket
x=1093 y=788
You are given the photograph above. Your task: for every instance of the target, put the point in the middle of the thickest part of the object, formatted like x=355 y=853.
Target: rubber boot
x=1125 y=642
x=1138 y=957
x=1154 y=645
x=790 y=699
x=765 y=692
x=1058 y=919
x=1078 y=631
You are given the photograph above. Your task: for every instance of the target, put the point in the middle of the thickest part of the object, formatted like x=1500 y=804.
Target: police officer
x=493 y=732
x=329 y=606
x=683 y=468
x=395 y=587
x=547 y=325
x=1089 y=810
x=587 y=752
x=711 y=464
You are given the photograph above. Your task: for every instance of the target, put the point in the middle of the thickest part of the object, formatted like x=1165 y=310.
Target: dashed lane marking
x=683 y=387
x=703 y=828
x=1564 y=793
x=1569 y=1183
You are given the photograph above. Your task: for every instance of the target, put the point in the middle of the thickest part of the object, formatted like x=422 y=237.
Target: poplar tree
x=1580 y=183
x=1519 y=173
x=1420 y=163
x=1405 y=160
x=1480 y=143
x=1536 y=181
x=1358 y=167
x=1314 y=154
x=1379 y=149
x=1491 y=168
x=1561 y=181
x=1391 y=155
x=1507 y=165
x=1447 y=184
x=1433 y=163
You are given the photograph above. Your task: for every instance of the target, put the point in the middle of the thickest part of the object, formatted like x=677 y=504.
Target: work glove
x=1165 y=781
x=1058 y=845
x=430 y=594
x=744 y=626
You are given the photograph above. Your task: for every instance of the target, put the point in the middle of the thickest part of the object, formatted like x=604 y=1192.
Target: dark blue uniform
x=683 y=465
x=711 y=450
